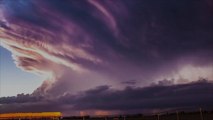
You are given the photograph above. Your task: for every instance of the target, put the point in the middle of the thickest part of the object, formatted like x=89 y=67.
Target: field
x=171 y=116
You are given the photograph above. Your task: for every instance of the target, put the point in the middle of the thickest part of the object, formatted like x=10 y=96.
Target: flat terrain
x=173 y=116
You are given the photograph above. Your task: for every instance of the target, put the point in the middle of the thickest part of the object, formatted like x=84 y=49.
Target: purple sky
x=104 y=57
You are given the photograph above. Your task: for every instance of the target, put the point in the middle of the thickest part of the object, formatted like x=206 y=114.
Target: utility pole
x=158 y=117
x=177 y=115
x=201 y=114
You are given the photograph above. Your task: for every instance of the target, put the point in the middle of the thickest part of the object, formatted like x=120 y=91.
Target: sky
x=10 y=87
x=105 y=57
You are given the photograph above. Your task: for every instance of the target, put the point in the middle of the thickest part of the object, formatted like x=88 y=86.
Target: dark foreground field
x=172 y=116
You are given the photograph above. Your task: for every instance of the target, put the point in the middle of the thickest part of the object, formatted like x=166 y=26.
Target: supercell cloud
x=89 y=49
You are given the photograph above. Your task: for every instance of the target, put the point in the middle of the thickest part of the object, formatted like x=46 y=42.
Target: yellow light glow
x=30 y=115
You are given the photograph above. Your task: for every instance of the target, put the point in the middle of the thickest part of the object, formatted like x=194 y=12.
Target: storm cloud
x=102 y=98
x=79 y=45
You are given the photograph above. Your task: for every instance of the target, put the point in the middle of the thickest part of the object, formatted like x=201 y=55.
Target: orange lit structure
x=30 y=116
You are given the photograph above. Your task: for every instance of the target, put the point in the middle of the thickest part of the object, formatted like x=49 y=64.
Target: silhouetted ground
x=171 y=116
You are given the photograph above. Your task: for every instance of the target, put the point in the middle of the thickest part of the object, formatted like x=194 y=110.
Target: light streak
x=30 y=115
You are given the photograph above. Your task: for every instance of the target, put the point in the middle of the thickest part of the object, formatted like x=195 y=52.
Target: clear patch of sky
x=13 y=80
